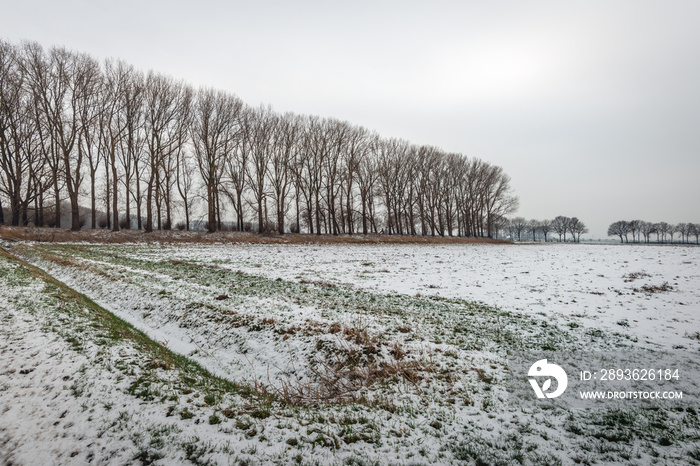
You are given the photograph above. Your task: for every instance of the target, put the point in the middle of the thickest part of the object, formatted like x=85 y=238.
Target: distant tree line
x=647 y=232
x=521 y=229
x=74 y=131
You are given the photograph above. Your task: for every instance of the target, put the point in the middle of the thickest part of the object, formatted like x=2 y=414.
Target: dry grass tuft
x=354 y=360
x=651 y=289
x=338 y=383
x=632 y=276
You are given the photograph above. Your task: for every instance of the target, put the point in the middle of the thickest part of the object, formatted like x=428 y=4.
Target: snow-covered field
x=352 y=353
x=592 y=284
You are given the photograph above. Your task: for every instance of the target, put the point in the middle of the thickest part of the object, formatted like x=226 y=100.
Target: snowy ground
x=592 y=284
x=353 y=353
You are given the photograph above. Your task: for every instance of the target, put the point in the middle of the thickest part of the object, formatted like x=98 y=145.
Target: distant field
x=357 y=353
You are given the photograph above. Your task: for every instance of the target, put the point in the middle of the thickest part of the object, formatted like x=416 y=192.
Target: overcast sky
x=592 y=108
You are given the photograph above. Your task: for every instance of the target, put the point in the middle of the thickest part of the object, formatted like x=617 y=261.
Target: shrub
x=269 y=228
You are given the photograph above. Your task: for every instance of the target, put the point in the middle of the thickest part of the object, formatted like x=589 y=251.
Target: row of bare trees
x=147 y=146
x=661 y=232
x=521 y=229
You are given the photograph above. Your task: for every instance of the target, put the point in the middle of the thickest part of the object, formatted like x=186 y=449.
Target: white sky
x=592 y=108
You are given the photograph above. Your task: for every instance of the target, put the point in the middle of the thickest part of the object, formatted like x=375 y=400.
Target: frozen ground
x=353 y=354
x=591 y=284
x=79 y=388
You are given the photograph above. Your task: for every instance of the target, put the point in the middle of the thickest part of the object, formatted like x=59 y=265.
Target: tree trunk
x=14 y=211
x=260 y=214
x=187 y=215
x=239 y=197
x=218 y=209
x=318 y=214
x=127 y=201
x=93 y=201
x=280 y=218
x=157 y=199
x=149 y=205
x=296 y=200
x=364 y=215
x=108 y=196
x=211 y=216
x=115 y=198
x=139 y=219
x=36 y=213
x=57 y=209
x=75 y=212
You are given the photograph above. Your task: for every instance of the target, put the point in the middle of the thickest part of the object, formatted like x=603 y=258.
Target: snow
x=66 y=396
x=583 y=283
x=281 y=303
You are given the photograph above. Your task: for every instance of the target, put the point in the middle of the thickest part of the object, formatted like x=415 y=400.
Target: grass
x=471 y=325
x=156 y=374
x=383 y=347
x=421 y=375
x=116 y=329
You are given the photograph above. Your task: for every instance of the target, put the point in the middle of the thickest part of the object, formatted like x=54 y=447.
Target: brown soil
x=175 y=236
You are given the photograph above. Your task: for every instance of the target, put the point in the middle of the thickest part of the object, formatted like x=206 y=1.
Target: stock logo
x=544 y=369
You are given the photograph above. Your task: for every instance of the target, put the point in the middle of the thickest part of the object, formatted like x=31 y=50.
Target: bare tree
x=66 y=102
x=519 y=225
x=215 y=128
x=560 y=225
x=357 y=150
x=634 y=228
x=132 y=142
x=315 y=144
x=236 y=168
x=62 y=117
x=662 y=228
x=545 y=227
x=90 y=141
x=263 y=126
x=185 y=180
x=286 y=144
x=46 y=94
x=498 y=201
x=577 y=228
x=672 y=230
x=646 y=229
x=695 y=230
x=619 y=228
x=165 y=102
x=391 y=178
x=533 y=227
x=115 y=127
x=366 y=181
x=20 y=157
